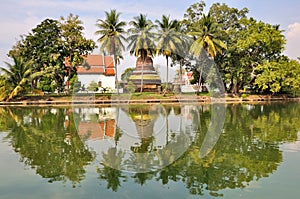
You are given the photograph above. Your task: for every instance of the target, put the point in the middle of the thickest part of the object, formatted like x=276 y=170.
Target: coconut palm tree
x=206 y=38
x=169 y=40
x=111 y=31
x=141 y=39
x=205 y=33
x=17 y=77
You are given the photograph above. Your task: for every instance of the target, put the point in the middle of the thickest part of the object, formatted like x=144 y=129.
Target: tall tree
x=111 y=31
x=205 y=32
x=141 y=39
x=256 y=42
x=17 y=77
x=169 y=40
x=42 y=46
x=278 y=76
x=229 y=20
x=75 y=44
x=207 y=39
x=193 y=14
x=49 y=43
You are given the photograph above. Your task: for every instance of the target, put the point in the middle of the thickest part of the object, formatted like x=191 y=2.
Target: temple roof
x=99 y=64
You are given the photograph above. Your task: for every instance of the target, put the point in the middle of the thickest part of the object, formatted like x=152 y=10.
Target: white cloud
x=293 y=40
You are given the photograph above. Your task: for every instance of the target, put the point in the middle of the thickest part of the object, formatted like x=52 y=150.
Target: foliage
x=75 y=45
x=248 y=52
x=276 y=76
x=16 y=78
x=207 y=37
x=169 y=40
x=49 y=44
x=111 y=31
x=130 y=87
x=46 y=85
x=141 y=38
x=126 y=74
x=93 y=86
x=74 y=84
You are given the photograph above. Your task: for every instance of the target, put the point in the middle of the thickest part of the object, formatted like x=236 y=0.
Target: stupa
x=145 y=70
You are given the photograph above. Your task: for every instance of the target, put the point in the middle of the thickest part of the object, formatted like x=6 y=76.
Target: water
x=151 y=151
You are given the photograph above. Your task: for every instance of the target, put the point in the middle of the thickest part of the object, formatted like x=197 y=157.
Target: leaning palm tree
x=206 y=39
x=17 y=77
x=169 y=40
x=141 y=39
x=111 y=32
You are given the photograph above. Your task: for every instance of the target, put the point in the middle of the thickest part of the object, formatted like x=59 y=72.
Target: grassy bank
x=83 y=98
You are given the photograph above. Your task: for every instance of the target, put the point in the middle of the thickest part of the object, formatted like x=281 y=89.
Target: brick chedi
x=145 y=70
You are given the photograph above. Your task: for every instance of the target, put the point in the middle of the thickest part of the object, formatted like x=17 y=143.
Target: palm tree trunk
x=167 y=77
x=180 y=71
x=142 y=80
x=200 y=79
x=143 y=56
x=116 y=75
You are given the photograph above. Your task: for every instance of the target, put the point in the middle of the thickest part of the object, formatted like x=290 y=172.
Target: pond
x=151 y=151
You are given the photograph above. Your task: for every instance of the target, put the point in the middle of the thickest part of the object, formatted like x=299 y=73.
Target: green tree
x=141 y=39
x=130 y=87
x=93 y=86
x=193 y=14
x=207 y=43
x=229 y=20
x=49 y=44
x=42 y=46
x=126 y=74
x=169 y=40
x=278 y=76
x=46 y=85
x=111 y=31
x=74 y=43
x=16 y=78
x=206 y=34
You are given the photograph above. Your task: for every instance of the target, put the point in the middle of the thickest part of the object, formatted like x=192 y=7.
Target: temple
x=145 y=73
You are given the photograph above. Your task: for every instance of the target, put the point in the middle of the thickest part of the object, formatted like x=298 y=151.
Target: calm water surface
x=151 y=151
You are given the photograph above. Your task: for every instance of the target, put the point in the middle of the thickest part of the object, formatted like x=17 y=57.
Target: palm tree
x=169 y=40
x=141 y=39
x=17 y=77
x=182 y=55
x=205 y=33
x=111 y=32
x=206 y=38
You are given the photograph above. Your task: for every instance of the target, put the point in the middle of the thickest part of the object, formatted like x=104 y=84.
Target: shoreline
x=61 y=101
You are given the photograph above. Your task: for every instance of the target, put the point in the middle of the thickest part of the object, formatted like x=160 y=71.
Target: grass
x=108 y=96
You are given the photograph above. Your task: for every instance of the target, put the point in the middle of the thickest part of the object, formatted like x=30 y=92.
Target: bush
x=130 y=87
x=93 y=86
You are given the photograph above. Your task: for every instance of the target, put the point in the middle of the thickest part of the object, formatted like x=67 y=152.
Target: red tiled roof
x=110 y=128
x=94 y=60
x=109 y=62
x=98 y=65
x=110 y=72
x=92 y=70
x=97 y=130
x=91 y=130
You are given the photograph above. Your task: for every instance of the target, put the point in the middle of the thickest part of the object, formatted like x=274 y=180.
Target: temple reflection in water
x=109 y=148
x=136 y=131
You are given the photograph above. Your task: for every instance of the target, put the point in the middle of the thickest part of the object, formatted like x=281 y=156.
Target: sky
x=19 y=17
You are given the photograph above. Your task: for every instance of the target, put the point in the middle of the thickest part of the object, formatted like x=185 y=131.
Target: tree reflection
x=39 y=136
x=246 y=151
x=241 y=154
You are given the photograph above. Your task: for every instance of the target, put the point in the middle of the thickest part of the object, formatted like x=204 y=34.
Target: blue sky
x=18 y=17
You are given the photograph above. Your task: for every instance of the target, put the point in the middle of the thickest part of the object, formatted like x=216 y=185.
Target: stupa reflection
x=142 y=135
